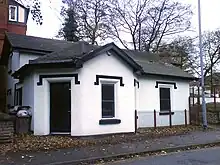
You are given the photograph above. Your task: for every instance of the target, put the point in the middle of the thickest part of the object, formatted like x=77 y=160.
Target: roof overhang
x=28 y=68
x=172 y=76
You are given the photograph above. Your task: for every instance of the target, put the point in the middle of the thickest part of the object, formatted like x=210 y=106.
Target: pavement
x=107 y=152
x=208 y=156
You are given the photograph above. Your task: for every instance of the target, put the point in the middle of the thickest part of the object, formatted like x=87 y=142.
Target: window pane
x=20 y=96
x=108 y=109
x=108 y=104
x=165 y=105
x=165 y=99
x=107 y=91
x=165 y=93
x=12 y=12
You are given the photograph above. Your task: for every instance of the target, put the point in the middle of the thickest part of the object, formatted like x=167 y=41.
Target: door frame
x=46 y=83
x=52 y=132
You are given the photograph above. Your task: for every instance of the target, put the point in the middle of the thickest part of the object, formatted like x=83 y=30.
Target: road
x=208 y=156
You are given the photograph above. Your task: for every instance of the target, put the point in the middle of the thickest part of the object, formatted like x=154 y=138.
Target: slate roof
x=75 y=50
x=63 y=51
x=36 y=43
x=157 y=68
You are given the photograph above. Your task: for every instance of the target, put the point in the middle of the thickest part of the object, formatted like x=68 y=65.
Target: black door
x=60 y=107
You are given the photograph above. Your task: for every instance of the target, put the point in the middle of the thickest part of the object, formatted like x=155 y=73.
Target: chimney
x=3 y=21
x=17 y=17
x=13 y=18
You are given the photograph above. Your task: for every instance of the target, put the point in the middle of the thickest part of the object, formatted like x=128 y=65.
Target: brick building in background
x=13 y=18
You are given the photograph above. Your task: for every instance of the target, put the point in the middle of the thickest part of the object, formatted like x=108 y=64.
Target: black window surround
x=109 y=121
x=108 y=100
x=108 y=77
x=165 y=101
x=166 y=83
x=41 y=77
x=165 y=113
x=136 y=83
x=18 y=96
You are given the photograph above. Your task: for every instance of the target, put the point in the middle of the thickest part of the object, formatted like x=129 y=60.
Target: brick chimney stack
x=13 y=18
x=3 y=21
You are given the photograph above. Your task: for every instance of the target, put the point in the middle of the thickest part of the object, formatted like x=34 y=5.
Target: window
x=18 y=96
x=165 y=100
x=108 y=100
x=12 y=13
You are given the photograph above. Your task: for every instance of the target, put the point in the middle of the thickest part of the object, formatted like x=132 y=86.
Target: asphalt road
x=209 y=156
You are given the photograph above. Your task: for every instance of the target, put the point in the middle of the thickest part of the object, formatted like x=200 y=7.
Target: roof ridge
x=49 y=54
x=36 y=37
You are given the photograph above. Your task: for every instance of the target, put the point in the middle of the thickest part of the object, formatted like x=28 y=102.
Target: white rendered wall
x=25 y=57
x=17 y=61
x=41 y=107
x=13 y=65
x=86 y=98
x=149 y=100
x=90 y=105
x=28 y=95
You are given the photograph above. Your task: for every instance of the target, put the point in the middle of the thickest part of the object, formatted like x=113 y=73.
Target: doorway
x=60 y=107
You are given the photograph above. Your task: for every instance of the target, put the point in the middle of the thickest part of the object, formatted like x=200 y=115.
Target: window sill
x=109 y=121
x=166 y=113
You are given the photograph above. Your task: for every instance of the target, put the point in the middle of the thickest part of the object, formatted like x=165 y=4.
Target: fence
x=212 y=99
x=158 y=119
x=212 y=94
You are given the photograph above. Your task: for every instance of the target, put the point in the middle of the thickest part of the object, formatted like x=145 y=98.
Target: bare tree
x=211 y=53
x=211 y=50
x=165 y=18
x=35 y=9
x=179 y=52
x=91 y=15
x=125 y=19
x=147 y=22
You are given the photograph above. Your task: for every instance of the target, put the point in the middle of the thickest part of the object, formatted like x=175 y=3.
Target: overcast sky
x=52 y=20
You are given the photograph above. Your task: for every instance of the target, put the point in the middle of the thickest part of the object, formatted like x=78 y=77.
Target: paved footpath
x=74 y=156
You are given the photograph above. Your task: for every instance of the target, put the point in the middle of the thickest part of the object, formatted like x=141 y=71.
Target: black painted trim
x=108 y=77
x=164 y=82
x=9 y=92
x=136 y=83
x=166 y=113
x=109 y=121
x=41 y=77
x=10 y=71
x=14 y=99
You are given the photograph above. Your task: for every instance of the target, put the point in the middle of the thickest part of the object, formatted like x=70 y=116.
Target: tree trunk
x=139 y=36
